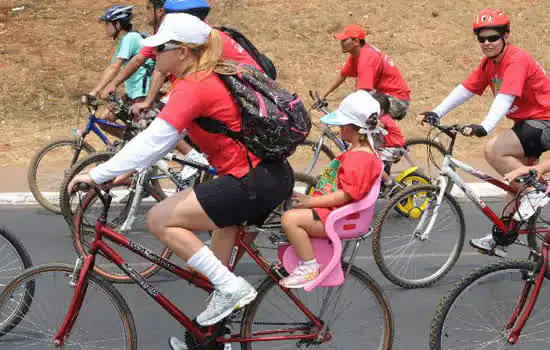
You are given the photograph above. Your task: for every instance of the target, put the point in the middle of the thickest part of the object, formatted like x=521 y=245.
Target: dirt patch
x=53 y=51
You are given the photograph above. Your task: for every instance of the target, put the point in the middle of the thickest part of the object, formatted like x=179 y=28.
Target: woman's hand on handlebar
x=521 y=171
x=80 y=178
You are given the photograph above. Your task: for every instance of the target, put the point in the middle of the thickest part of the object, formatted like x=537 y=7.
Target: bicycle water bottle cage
x=351 y=221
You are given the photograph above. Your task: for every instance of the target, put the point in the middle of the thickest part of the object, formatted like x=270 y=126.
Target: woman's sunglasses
x=167 y=47
x=489 y=38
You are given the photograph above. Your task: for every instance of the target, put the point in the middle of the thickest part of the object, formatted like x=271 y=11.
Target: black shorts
x=534 y=136
x=227 y=202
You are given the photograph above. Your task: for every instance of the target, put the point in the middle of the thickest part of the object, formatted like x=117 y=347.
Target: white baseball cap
x=181 y=27
x=355 y=109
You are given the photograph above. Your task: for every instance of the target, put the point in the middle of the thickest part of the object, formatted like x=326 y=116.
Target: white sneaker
x=187 y=172
x=222 y=304
x=176 y=344
x=529 y=205
x=487 y=244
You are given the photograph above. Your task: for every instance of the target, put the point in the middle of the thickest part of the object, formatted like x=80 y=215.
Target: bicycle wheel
x=405 y=257
x=104 y=320
x=68 y=203
x=84 y=232
x=14 y=259
x=303 y=160
x=414 y=178
x=418 y=152
x=362 y=316
x=48 y=168
x=474 y=313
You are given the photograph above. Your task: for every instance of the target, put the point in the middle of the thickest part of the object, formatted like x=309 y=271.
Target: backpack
x=263 y=61
x=274 y=121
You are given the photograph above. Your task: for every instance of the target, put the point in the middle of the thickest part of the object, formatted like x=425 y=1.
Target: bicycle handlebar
x=531 y=180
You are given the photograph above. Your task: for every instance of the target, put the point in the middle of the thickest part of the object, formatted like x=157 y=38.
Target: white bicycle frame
x=447 y=178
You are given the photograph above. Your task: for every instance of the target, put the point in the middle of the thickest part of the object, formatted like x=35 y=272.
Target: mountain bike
x=48 y=167
x=435 y=225
x=76 y=308
x=495 y=306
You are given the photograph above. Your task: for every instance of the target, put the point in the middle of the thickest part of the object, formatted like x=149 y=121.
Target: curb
x=26 y=198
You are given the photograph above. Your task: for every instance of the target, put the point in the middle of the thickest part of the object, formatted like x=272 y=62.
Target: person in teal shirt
x=118 y=26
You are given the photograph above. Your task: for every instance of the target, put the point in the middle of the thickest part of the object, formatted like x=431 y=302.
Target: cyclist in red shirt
x=190 y=49
x=373 y=69
x=522 y=93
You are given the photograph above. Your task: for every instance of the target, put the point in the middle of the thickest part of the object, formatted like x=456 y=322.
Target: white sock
x=388 y=182
x=310 y=263
x=206 y=263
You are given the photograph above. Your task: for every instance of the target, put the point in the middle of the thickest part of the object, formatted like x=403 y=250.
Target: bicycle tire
x=23 y=254
x=359 y=274
x=79 y=245
x=33 y=168
x=118 y=301
x=64 y=196
x=377 y=233
x=313 y=145
x=446 y=303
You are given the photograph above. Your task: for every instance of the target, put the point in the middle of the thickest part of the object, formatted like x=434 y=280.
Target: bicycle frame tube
x=99 y=246
x=338 y=141
x=456 y=179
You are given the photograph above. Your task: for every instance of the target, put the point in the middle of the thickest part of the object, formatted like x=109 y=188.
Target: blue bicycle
x=49 y=166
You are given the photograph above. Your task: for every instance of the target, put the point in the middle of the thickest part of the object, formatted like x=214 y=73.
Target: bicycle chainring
x=504 y=239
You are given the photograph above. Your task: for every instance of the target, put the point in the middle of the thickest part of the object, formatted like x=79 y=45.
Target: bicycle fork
x=81 y=269
x=535 y=278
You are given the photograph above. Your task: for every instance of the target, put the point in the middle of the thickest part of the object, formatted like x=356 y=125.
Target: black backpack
x=274 y=121
x=263 y=61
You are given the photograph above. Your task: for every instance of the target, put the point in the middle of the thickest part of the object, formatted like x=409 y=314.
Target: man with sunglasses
x=522 y=93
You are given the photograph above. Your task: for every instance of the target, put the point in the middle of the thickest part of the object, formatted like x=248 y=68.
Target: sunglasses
x=490 y=38
x=167 y=47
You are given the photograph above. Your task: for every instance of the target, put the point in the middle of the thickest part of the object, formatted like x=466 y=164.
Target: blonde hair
x=209 y=56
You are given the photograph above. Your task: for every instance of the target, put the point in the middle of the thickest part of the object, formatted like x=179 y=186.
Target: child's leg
x=299 y=225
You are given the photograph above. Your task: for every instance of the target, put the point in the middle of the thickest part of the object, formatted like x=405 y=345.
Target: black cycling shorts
x=534 y=136
x=227 y=202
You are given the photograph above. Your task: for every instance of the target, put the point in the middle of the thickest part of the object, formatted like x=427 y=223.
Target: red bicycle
x=493 y=307
x=72 y=307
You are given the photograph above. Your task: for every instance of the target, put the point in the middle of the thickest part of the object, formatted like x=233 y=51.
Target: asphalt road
x=46 y=238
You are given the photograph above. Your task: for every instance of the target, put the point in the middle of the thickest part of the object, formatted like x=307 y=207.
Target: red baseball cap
x=353 y=31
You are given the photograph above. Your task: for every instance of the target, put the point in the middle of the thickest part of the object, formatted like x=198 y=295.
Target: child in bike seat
x=392 y=143
x=349 y=177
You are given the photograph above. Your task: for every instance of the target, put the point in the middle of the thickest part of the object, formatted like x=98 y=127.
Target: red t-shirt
x=376 y=70
x=518 y=74
x=205 y=95
x=354 y=172
x=394 y=138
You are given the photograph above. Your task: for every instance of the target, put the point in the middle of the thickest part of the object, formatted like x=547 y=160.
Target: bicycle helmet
x=491 y=18
x=198 y=8
x=118 y=13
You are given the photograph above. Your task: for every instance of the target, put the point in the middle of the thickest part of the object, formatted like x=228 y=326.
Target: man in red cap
x=374 y=70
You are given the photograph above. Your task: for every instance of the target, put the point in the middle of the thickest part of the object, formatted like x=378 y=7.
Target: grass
x=53 y=51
